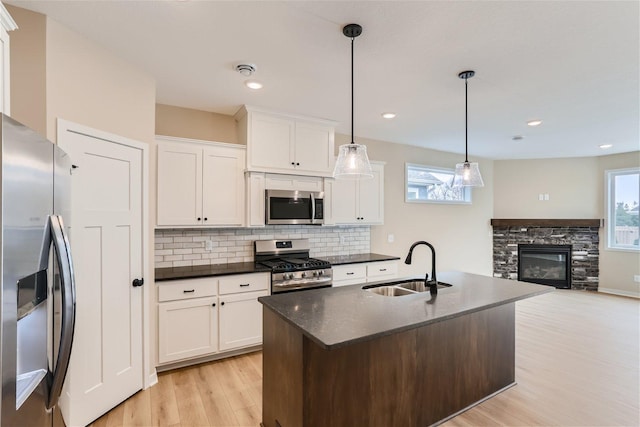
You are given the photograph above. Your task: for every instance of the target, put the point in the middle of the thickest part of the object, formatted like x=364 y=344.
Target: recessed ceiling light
x=389 y=115
x=253 y=84
x=518 y=138
x=605 y=146
x=534 y=122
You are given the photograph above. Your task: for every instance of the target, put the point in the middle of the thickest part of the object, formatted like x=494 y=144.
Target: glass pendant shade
x=467 y=175
x=352 y=162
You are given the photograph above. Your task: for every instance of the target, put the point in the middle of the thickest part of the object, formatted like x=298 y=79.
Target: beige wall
x=576 y=188
x=461 y=234
x=28 y=69
x=86 y=84
x=519 y=182
x=195 y=124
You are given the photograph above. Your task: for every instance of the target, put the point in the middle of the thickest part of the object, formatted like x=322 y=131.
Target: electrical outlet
x=390 y=238
x=208 y=245
x=636 y=278
x=546 y=196
x=541 y=197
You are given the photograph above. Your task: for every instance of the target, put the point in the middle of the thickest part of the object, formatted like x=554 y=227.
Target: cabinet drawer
x=244 y=283
x=382 y=268
x=350 y=272
x=188 y=288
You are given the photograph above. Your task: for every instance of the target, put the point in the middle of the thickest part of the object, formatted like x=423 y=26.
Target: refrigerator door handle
x=68 y=294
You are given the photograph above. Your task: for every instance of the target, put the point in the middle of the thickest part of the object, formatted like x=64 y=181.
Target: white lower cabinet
x=349 y=274
x=240 y=320
x=352 y=274
x=382 y=270
x=188 y=328
x=204 y=316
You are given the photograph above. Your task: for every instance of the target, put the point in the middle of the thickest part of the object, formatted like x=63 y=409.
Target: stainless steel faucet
x=433 y=283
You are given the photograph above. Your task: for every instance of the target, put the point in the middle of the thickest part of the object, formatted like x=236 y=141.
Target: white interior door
x=106 y=239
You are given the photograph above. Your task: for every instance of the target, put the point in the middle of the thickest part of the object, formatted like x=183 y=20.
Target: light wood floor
x=577 y=364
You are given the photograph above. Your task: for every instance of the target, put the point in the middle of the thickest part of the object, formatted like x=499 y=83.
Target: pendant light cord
x=352 y=138
x=466 y=127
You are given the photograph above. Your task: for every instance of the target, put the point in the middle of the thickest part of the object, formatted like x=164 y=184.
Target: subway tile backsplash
x=185 y=247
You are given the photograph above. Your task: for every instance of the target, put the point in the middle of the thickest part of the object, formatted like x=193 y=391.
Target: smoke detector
x=246 y=69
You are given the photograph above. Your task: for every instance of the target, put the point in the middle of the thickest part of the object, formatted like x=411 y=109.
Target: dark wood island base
x=415 y=377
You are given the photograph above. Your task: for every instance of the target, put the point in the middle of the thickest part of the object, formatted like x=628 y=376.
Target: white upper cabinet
x=200 y=184
x=6 y=24
x=359 y=202
x=289 y=144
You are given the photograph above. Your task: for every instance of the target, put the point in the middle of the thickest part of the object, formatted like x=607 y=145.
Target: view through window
x=429 y=184
x=623 y=200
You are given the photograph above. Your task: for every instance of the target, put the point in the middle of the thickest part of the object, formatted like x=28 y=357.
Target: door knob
x=137 y=282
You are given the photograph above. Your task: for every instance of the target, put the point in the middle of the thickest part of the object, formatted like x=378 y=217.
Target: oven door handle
x=301 y=282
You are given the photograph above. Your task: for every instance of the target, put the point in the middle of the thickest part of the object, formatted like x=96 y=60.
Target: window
x=623 y=196
x=426 y=184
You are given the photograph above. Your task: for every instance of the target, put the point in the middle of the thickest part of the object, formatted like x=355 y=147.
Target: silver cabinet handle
x=68 y=294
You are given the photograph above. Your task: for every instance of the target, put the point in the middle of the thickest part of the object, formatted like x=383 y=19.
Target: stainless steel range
x=291 y=267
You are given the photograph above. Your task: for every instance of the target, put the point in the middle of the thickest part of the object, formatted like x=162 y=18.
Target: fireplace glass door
x=545 y=264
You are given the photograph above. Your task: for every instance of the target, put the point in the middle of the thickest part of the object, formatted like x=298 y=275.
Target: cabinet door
x=344 y=206
x=240 y=320
x=314 y=148
x=271 y=146
x=187 y=328
x=179 y=184
x=255 y=199
x=371 y=198
x=223 y=186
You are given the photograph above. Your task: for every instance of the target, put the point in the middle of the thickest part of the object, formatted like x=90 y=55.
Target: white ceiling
x=573 y=64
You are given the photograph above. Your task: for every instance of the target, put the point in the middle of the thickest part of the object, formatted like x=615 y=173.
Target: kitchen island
x=349 y=357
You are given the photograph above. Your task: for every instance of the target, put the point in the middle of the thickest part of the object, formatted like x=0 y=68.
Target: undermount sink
x=418 y=285
x=401 y=288
x=390 y=291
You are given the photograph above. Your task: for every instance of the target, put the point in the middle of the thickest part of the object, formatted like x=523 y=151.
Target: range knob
x=304 y=274
x=287 y=276
x=315 y=273
x=321 y=273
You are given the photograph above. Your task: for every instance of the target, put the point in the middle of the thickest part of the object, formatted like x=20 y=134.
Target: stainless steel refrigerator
x=37 y=298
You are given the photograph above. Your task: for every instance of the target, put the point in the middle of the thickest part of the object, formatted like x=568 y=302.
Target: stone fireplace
x=561 y=252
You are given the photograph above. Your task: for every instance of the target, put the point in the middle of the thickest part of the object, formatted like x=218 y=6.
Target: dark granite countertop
x=173 y=273
x=335 y=317
x=358 y=258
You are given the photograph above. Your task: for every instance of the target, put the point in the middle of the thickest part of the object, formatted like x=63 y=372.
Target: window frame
x=610 y=209
x=466 y=190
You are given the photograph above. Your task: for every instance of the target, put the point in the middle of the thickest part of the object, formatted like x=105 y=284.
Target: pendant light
x=352 y=162
x=467 y=174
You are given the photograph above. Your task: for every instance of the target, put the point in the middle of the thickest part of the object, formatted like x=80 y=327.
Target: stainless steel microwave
x=294 y=207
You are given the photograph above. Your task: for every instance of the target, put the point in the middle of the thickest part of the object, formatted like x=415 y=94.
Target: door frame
x=149 y=373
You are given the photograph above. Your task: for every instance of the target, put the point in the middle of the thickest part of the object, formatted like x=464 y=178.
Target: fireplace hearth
x=545 y=265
